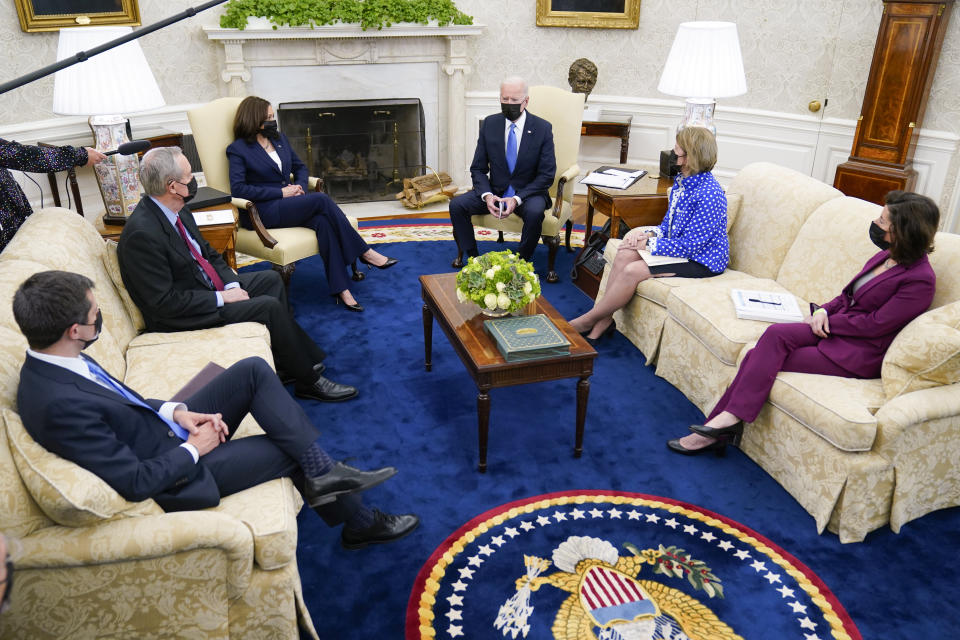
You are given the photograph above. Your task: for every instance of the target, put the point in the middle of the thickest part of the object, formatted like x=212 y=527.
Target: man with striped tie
x=182 y=455
x=513 y=167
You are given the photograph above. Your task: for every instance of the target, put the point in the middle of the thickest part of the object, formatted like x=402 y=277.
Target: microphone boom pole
x=84 y=55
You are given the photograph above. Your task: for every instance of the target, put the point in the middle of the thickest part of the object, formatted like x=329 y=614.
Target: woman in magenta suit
x=261 y=162
x=847 y=336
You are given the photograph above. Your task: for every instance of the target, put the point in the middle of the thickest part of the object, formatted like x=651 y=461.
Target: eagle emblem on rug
x=607 y=599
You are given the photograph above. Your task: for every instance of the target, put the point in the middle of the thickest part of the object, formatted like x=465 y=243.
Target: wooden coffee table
x=463 y=324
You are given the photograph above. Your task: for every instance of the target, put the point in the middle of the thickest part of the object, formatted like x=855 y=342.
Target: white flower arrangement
x=499 y=280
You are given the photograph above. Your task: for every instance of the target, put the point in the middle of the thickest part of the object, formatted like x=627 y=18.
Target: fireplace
x=363 y=149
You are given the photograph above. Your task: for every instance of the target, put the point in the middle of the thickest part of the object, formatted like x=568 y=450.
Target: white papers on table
x=215 y=216
x=766 y=306
x=653 y=260
x=613 y=178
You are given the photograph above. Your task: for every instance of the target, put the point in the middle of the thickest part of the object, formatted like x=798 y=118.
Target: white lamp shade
x=116 y=81
x=704 y=61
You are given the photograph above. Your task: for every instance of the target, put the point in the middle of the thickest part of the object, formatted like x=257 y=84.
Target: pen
x=762 y=301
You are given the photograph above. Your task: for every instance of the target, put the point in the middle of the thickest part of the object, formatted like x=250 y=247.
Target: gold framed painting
x=51 y=15
x=596 y=14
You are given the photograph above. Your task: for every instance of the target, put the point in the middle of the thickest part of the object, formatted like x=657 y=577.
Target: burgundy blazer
x=863 y=325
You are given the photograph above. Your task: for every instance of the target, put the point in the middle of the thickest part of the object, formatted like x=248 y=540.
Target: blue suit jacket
x=536 y=162
x=127 y=445
x=255 y=176
x=863 y=325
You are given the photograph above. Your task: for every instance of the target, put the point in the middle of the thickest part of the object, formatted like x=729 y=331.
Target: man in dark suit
x=179 y=282
x=513 y=167
x=182 y=458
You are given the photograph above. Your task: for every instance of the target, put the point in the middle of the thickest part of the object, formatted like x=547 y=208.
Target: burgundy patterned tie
x=203 y=262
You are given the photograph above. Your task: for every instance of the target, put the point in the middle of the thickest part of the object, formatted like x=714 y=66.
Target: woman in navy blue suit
x=261 y=162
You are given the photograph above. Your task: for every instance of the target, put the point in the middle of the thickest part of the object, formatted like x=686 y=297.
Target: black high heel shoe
x=731 y=434
x=719 y=447
x=386 y=265
x=357 y=307
x=606 y=333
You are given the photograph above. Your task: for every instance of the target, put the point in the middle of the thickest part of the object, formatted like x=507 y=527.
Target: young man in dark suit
x=182 y=455
x=513 y=167
x=179 y=282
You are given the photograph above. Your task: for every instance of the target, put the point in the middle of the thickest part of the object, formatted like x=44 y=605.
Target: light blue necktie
x=511 y=157
x=108 y=380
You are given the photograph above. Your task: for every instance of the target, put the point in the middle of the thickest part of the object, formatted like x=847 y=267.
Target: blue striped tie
x=511 y=157
x=108 y=380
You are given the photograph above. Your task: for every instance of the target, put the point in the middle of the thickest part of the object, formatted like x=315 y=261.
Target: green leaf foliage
x=368 y=13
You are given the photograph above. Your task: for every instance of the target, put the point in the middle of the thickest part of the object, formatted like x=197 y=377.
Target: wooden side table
x=222 y=237
x=610 y=126
x=644 y=203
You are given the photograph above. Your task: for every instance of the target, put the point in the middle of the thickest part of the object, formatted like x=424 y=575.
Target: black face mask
x=191 y=190
x=97 y=324
x=511 y=111
x=876 y=236
x=269 y=130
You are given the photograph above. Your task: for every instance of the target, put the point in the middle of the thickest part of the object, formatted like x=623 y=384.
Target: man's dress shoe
x=343 y=479
x=325 y=390
x=287 y=378
x=386 y=527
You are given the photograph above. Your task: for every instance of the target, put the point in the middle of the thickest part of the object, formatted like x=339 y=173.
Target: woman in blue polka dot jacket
x=695 y=228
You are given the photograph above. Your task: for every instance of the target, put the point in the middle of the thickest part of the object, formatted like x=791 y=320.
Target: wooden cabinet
x=904 y=60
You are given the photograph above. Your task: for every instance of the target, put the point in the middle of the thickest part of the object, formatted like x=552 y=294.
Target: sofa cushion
x=20 y=515
x=926 y=353
x=269 y=510
x=945 y=261
x=60 y=239
x=839 y=410
x=69 y=494
x=706 y=310
x=776 y=202
x=185 y=353
x=829 y=249
x=112 y=264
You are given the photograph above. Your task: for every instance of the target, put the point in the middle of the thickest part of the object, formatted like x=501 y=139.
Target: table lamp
x=704 y=63
x=113 y=82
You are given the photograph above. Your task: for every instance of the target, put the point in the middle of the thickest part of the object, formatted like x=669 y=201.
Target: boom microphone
x=130 y=148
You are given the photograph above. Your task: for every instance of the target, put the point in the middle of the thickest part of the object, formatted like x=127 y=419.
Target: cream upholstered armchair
x=212 y=126
x=563 y=110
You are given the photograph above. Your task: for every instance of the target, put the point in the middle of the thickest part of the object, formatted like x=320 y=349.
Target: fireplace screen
x=363 y=149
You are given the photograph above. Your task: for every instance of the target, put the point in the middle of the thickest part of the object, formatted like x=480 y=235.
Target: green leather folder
x=527 y=337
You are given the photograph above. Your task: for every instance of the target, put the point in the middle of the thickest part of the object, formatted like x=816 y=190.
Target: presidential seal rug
x=594 y=565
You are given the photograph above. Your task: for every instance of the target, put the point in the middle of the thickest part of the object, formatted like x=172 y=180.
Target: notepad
x=613 y=178
x=766 y=306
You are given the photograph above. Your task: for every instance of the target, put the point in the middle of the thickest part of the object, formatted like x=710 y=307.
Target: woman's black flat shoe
x=386 y=265
x=357 y=307
x=606 y=333
x=719 y=447
x=731 y=434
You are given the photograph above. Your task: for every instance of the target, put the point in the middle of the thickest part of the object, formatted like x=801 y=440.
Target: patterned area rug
x=407 y=231
x=585 y=565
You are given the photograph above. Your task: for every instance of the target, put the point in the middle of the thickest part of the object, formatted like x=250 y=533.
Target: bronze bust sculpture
x=582 y=76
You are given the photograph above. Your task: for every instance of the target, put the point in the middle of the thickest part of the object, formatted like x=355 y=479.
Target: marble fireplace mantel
x=263 y=46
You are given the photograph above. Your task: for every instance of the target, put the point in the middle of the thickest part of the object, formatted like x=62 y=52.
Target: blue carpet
x=425 y=424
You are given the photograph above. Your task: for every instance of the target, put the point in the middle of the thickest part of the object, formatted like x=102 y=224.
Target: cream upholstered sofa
x=88 y=563
x=857 y=454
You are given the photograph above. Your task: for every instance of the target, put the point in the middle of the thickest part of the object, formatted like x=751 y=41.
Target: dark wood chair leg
x=500 y=237
x=357 y=274
x=569 y=226
x=553 y=243
x=286 y=272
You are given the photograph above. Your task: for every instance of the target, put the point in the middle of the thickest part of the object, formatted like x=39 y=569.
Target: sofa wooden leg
x=553 y=243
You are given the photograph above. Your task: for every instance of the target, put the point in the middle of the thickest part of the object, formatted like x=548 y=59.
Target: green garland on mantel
x=369 y=13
